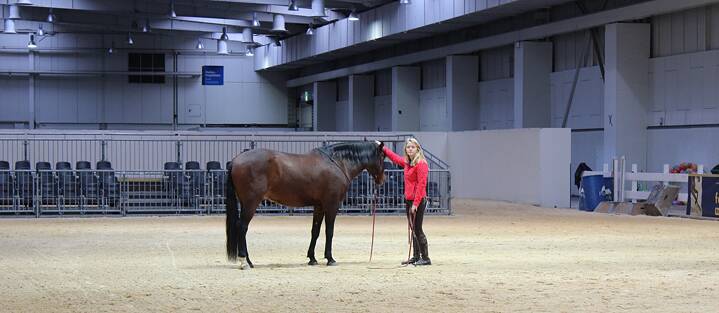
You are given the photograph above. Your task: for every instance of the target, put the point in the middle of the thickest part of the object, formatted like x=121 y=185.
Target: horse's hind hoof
x=331 y=263
x=244 y=265
x=312 y=262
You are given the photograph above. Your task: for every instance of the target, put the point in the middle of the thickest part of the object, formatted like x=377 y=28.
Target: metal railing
x=149 y=152
x=59 y=192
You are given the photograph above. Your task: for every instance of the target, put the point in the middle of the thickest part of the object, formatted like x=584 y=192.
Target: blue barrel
x=596 y=188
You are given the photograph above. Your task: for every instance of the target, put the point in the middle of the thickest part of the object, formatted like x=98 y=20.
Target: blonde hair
x=419 y=156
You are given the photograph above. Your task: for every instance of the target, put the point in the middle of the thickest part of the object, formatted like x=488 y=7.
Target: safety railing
x=60 y=192
x=148 y=153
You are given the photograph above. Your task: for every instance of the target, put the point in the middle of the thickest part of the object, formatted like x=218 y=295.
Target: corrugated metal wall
x=496 y=63
x=568 y=49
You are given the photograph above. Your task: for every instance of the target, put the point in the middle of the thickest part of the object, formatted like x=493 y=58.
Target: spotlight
x=31 y=44
x=293 y=6
x=51 y=17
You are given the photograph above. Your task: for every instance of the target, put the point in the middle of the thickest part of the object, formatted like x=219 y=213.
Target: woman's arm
x=420 y=190
x=396 y=159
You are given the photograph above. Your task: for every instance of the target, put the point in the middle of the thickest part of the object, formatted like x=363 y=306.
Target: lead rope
x=410 y=234
x=374 y=215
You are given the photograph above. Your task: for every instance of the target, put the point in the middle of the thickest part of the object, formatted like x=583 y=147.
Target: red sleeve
x=420 y=190
x=396 y=159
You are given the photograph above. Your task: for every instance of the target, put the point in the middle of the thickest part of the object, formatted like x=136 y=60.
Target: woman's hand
x=413 y=209
x=377 y=142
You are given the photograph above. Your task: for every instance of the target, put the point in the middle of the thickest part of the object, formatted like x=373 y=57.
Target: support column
x=361 y=102
x=532 y=67
x=405 y=98
x=325 y=103
x=626 y=92
x=31 y=117
x=462 y=92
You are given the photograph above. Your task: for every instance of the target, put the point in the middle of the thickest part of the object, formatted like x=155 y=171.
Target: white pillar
x=361 y=102
x=626 y=92
x=462 y=92
x=325 y=102
x=532 y=67
x=405 y=98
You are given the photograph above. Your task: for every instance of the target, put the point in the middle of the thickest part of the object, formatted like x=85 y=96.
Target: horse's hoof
x=331 y=263
x=312 y=262
x=244 y=265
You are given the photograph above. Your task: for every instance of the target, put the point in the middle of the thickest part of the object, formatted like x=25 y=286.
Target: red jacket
x=415 y=177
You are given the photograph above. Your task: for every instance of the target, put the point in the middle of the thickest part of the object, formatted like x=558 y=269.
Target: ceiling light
x=249 y=52
x=278 y=23
x=293 y=6
x=40 y=31
x=129 y=39
x=224 y=34
x=51 y=17
x=353 y=16
x=199 y=45
x=146 y=27
x=309 y=31
x=403 y=1
x=31 y=44
x=255 y=21
x=222 y=47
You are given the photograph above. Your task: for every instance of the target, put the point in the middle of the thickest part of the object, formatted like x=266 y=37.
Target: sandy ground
x=488 y=257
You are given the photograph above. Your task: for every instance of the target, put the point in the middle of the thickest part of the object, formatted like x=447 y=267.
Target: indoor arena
x=359 y=156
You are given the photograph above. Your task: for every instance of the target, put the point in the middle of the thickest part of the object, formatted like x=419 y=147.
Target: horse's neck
x=353 y=169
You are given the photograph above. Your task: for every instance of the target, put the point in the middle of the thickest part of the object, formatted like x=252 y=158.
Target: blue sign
x=213 y=75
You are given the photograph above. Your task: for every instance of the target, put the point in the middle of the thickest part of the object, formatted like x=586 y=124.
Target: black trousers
x=419 y=240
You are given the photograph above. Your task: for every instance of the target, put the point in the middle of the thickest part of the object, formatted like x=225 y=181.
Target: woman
x=416 y=171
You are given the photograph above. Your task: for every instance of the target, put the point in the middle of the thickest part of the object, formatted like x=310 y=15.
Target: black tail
x=232 y=219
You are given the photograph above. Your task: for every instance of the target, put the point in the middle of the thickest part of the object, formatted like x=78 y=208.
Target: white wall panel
x=343 y=115
x=588 y=102
x=496 y=104
x=434 y=74
x=683 y=89
x=433 y=110
x=383 y=113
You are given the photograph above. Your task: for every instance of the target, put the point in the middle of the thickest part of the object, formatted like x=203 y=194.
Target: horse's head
x=376 y=167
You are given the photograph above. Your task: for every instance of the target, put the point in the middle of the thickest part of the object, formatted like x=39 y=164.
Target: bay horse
x=319 y=178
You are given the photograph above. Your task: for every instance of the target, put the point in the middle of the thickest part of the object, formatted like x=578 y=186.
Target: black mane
x=361 y=153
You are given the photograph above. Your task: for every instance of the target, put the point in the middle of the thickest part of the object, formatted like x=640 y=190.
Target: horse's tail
x=232 y=219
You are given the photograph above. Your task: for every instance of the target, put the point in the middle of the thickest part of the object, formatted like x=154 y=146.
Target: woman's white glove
x=377 y=142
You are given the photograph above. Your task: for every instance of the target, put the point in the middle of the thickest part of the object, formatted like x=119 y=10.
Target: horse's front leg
x=329 y=232
x=317 y=217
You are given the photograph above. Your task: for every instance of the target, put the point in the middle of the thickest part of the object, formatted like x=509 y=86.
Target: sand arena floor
x=488 y=257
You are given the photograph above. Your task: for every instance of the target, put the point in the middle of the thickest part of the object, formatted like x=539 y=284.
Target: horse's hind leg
x=317 y=217
x=246 y=214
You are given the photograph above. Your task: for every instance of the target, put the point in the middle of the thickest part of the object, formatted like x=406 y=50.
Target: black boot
x=424 y=260
x=415 y=253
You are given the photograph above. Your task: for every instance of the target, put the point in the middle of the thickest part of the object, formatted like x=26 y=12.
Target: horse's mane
x=361 y=152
